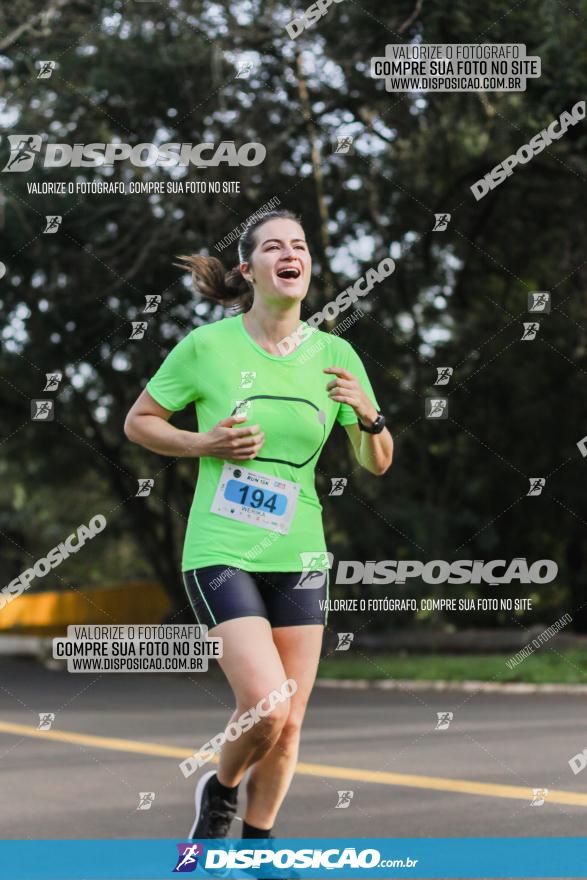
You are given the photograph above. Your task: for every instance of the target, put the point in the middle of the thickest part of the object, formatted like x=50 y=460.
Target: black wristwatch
x=377 y=426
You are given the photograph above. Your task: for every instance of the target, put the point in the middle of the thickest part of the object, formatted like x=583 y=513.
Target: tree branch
x=43 y=17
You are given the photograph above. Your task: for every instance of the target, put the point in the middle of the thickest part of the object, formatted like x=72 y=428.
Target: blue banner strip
x=161 y=859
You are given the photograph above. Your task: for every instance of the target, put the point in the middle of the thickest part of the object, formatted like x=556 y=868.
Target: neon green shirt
x=217 y=365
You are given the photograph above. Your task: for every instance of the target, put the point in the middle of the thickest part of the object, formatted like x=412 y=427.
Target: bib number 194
x=256 y=498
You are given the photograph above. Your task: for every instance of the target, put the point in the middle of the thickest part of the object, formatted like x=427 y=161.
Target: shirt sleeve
x=174 y=385
x=346 y=414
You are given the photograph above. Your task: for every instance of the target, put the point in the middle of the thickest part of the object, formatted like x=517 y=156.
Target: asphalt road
x=89 y=788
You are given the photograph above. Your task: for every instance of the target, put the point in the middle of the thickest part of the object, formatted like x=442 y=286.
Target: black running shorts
x=284 y=598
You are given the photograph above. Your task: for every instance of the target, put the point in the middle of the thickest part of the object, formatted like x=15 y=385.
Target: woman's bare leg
x=270 y=777
x=253 y=667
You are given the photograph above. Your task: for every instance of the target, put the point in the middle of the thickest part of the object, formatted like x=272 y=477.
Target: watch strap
x=377 y=426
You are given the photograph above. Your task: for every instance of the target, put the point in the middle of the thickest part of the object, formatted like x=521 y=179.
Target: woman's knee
x=268 y=727
x=291 y=729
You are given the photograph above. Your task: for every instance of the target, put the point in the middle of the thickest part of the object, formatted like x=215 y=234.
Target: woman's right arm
x=147 y=424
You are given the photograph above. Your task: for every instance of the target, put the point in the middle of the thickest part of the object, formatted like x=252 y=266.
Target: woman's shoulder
x=213 y=330
x=335 y=343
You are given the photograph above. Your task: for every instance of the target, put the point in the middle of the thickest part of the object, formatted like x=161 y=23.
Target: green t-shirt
x=217 y=365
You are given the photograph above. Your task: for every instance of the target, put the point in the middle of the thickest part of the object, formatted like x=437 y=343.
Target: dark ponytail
x=211 y=280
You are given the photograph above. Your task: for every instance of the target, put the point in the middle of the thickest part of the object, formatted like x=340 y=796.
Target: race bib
x=256 y=498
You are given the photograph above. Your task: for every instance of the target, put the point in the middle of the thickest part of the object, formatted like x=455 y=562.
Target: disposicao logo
x=24 y=149
x=187 y=859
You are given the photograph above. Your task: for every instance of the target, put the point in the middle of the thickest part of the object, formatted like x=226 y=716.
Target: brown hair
x=211 y=280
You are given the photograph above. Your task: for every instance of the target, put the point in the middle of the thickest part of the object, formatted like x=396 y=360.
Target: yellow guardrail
x=49 y=613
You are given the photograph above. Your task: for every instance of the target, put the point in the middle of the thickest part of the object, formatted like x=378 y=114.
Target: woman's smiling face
x=281 y=264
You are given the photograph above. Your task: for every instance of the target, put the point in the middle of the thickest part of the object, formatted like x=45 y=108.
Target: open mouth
x=290 y=272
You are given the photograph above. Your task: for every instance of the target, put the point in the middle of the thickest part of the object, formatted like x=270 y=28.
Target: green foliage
x=546 y=667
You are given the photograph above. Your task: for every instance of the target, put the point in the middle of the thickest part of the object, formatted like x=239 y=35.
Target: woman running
x=267 y=390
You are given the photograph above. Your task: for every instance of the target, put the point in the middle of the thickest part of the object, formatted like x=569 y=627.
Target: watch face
x=376 y=427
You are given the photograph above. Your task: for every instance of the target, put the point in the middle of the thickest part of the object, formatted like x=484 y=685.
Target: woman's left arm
x=373 y=451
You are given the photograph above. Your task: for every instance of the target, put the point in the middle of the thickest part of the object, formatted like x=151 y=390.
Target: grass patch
x=543 y=667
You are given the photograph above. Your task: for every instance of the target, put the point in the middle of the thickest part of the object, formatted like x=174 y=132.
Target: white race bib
x=256 y=498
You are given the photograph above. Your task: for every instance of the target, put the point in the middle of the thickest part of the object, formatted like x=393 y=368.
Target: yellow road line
x=380 y=777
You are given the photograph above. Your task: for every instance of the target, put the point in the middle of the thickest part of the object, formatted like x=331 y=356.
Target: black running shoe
x=214 y=813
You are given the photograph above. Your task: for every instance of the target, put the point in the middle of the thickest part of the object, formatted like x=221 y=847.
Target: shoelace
x=222 y=814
